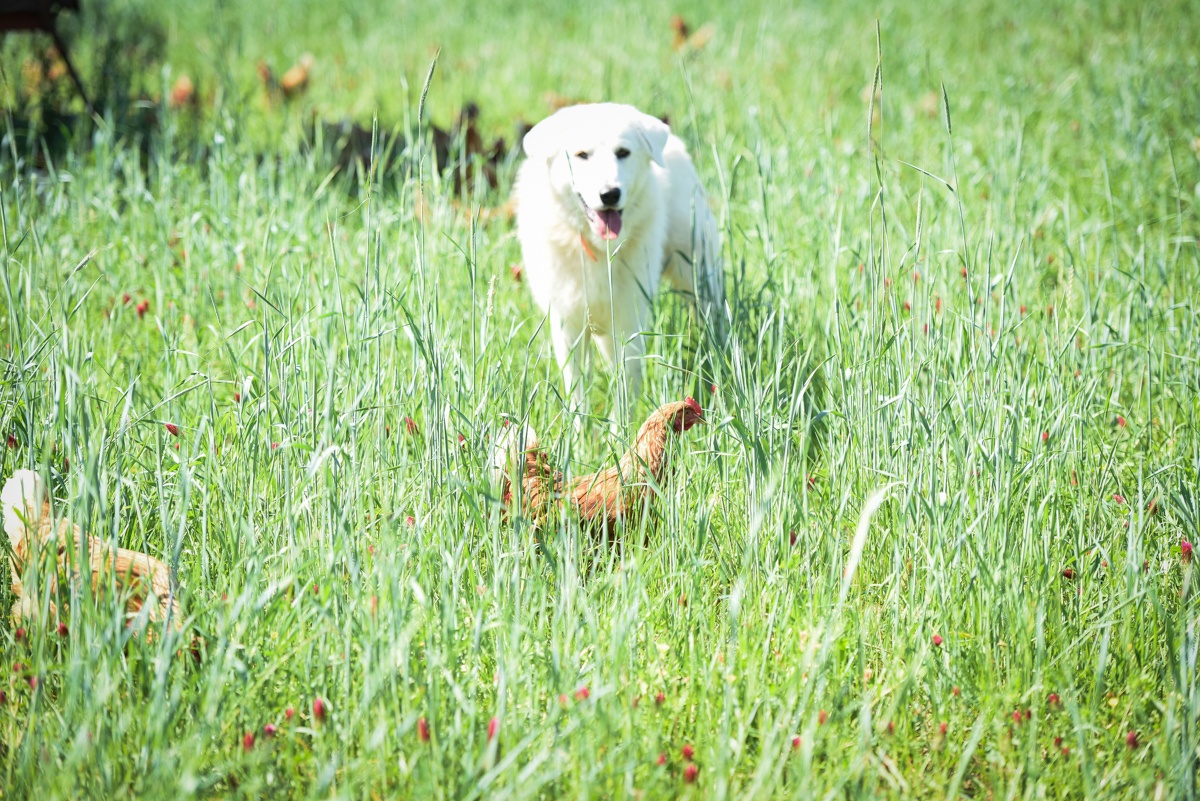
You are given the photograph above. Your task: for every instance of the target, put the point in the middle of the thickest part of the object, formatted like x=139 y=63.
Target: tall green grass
x=961 y=403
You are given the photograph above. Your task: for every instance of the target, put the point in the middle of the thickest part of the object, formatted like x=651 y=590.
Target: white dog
x=608 y=203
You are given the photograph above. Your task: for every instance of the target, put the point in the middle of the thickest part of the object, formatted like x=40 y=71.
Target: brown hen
x=31 y=528
x=604 y=497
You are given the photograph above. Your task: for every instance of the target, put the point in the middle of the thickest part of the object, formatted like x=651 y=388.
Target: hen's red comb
x=694 y=406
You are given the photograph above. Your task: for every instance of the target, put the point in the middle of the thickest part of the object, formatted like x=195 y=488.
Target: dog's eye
x=622 y=152
x=582 y=155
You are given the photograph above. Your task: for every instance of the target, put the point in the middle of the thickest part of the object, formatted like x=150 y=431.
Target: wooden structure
x=41 y=15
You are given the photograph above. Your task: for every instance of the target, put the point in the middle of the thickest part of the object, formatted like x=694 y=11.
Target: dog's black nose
x=610 y=197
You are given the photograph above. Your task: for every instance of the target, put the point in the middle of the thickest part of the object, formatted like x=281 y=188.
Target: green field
x=928 y=545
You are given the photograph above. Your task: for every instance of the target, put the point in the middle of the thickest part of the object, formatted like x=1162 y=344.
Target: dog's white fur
x=566 y=229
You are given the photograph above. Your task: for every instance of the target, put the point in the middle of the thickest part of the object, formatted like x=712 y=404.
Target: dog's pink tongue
x=607 y=223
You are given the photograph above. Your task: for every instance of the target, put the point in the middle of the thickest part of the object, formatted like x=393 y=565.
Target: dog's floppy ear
x=544 y=140
x=654 y=133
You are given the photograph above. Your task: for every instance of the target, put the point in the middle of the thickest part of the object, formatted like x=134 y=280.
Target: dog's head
x=600 y=153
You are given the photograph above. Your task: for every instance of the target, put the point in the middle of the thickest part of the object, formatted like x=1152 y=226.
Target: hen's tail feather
x=148 y=579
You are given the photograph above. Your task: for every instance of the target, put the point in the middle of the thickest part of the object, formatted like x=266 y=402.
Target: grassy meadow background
x=987 y=335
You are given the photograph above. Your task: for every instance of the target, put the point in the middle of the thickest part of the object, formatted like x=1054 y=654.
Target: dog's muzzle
x=605 y=222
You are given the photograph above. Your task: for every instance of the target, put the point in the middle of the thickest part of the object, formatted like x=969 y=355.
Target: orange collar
x=586 y=247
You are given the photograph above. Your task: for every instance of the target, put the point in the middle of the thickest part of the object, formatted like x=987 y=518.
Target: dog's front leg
x=629 y=380
x=571 y=342
x=625 y=350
